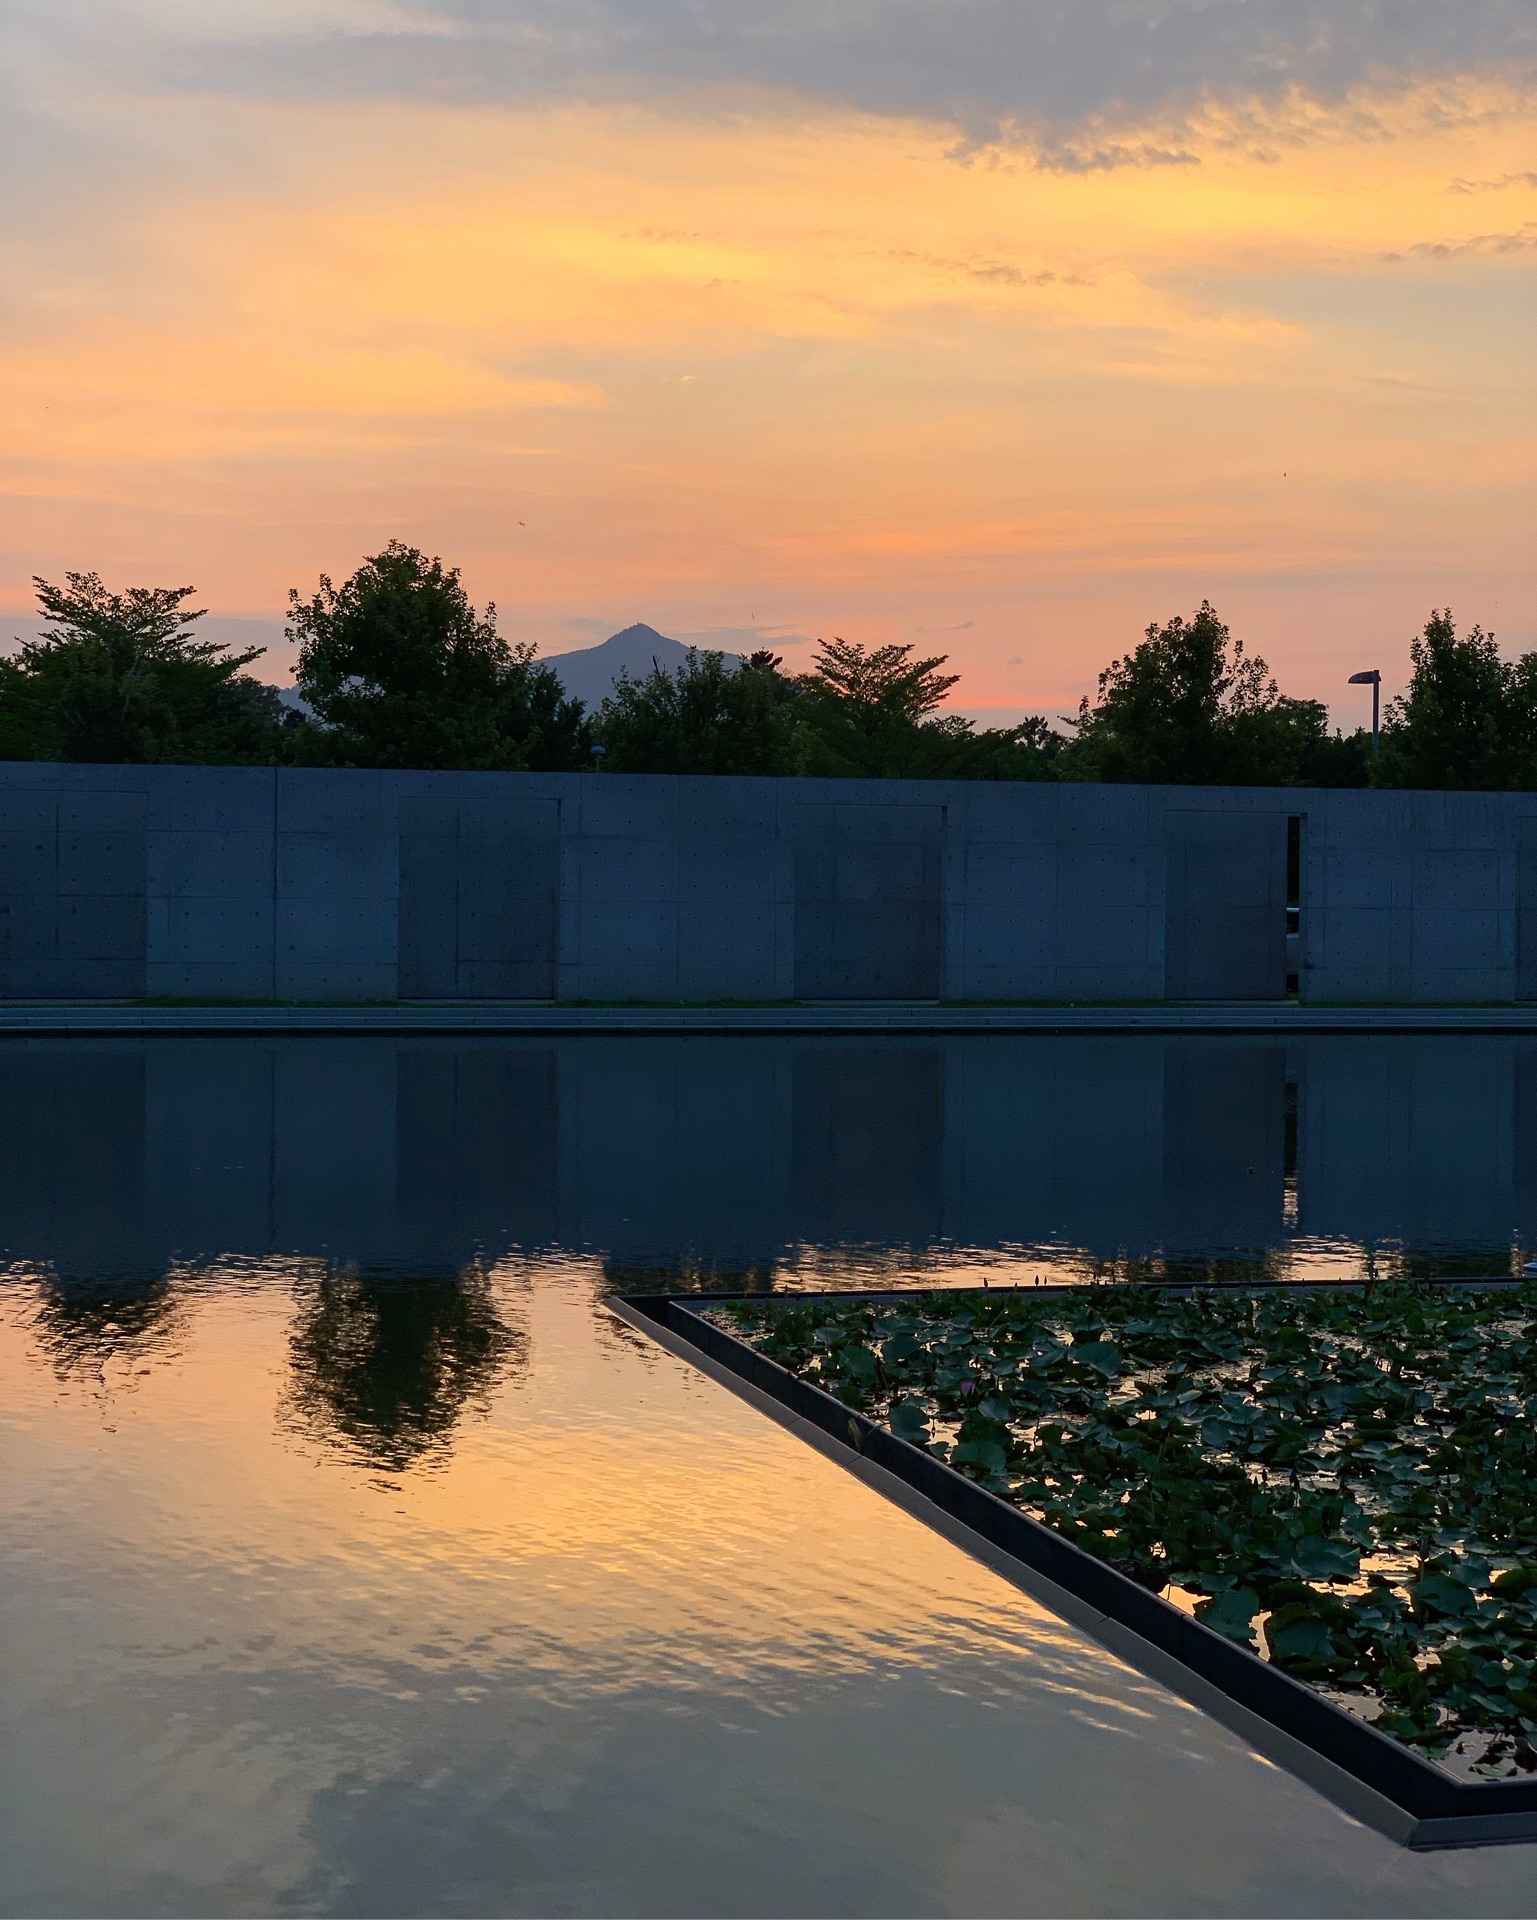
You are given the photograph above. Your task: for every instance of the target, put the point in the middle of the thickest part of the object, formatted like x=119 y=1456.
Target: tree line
x=398 y=669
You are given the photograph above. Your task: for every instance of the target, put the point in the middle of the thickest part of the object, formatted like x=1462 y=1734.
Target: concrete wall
x=284 y=884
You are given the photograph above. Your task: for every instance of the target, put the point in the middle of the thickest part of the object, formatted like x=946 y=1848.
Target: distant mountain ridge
x=588 y=673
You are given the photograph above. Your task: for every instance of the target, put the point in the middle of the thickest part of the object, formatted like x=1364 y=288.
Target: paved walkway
x=78 y=1018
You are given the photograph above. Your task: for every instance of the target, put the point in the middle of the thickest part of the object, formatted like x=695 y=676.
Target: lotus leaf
x=1355 y=1468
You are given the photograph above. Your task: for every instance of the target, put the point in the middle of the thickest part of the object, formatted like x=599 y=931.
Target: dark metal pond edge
x=1367 y=1774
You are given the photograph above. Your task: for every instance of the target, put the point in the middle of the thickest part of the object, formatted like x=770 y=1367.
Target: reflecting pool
x=354 y=1559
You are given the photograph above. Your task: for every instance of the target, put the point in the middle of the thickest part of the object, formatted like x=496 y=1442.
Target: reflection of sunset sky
x=563 y=1527
x=741 y=353
x=622 y=1645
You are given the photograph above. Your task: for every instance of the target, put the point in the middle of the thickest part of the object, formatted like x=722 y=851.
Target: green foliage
x=122 y=679
x=867 y=713
x=859 y=712
x=403 y=672
x=1339 y=1478
x=1337 y=760
x=1469 y=718
x=1187 y=706
x=707 y=717
x=883 y=683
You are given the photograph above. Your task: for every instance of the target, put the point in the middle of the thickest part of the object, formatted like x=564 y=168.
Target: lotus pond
x=1342 y=1479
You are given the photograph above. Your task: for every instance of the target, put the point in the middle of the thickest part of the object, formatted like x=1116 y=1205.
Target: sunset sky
x=1001 y=326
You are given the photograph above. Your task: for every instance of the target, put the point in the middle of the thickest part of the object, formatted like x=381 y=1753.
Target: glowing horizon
x=747 y=360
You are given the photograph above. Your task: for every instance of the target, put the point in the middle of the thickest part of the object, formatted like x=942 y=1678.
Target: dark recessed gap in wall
x=1294 y=905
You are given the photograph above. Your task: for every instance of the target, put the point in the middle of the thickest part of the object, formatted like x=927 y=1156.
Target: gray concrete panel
x=1225 y=936
x=1455 y=940
x=337 y=883
x=1526 y=894
x=868 y=922
x=185 y=800
x=29 y=864
x=479 y=895
x=726 y=951
x=234 y=935
x=1458 y=880
x=296 y=883
x=342 y=980
x=194 y=864
x=347 y=863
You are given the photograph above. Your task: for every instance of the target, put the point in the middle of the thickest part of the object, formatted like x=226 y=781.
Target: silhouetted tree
x=121 y=678
x=707 y=717
x=873 y=712
x=1337 y=760
x=1187 y=706
x=387 y=1368
x=403 y=672
x=1467 y=718
x=866 y=710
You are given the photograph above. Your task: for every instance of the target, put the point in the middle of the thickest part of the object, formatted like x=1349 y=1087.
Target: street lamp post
x=1374 y=680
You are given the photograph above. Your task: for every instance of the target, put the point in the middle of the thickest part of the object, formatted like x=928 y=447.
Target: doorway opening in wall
x=1294 y=905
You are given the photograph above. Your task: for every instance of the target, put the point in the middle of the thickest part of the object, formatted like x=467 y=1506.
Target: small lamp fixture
x=597 y=758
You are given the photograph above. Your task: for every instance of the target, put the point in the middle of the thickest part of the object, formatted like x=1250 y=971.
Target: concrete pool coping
x=100 y=1018
x=1403 y=1795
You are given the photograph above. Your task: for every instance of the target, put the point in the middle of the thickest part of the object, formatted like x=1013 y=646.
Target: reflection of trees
x=386 y=1368
x=681 y=1276
x=686 y=1276
x=1261 y=1268
x=82 y=1325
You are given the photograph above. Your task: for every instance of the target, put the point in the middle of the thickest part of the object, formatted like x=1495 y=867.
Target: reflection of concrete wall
x=73 y=1173
x=1419 y=1141
x=305 y=884
x=1053 y=1141
x=420 y=1155
x=476 y=1145
x=1224 y=1145
x=867 y=1150
x=672 y=1150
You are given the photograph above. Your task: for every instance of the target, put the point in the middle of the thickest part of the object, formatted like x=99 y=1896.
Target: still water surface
x=354 y=1560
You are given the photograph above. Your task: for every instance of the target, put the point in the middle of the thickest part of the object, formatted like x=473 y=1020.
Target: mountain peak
x=640 y=631
x=588 y=673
